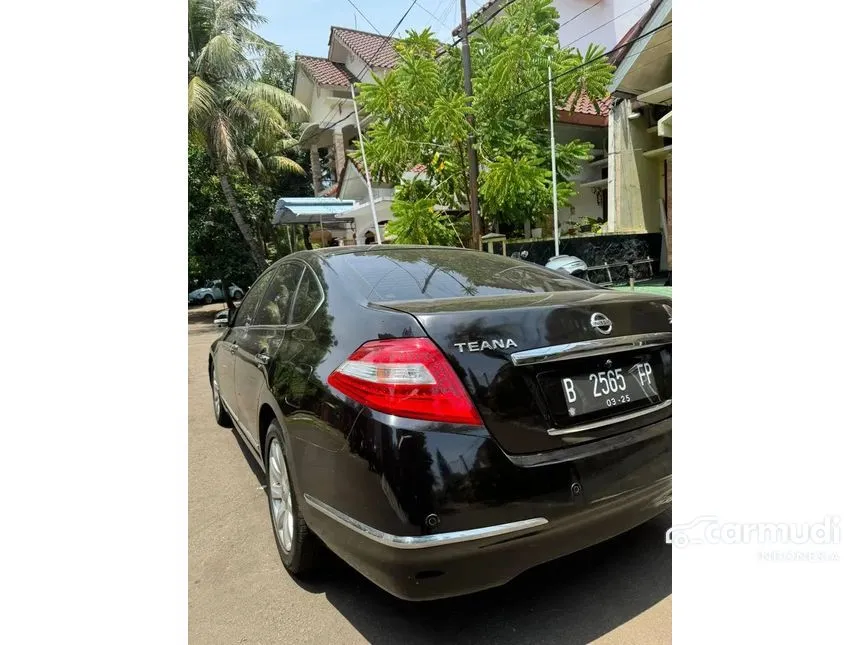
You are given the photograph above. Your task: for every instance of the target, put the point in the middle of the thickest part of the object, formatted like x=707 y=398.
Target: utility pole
x=366 y=167
x=473 y=156
x=552 y=155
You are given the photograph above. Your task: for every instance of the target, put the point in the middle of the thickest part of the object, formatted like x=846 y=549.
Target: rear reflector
x=408 y=377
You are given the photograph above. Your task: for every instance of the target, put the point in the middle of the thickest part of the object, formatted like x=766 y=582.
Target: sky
x=303 y=26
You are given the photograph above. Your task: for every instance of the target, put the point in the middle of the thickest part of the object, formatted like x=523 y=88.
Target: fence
x=611 y=259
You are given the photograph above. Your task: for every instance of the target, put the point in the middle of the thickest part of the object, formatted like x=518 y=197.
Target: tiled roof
x=581 y=109
x=585 y=105
x=478 y=13
x=623 y=45
x=371 y=48
x=326 y=72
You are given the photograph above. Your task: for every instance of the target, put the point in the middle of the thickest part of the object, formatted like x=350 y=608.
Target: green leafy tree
x=416 y=221
x=277 y=69
x=239 y=119
x=216 y=249
x=419 y=115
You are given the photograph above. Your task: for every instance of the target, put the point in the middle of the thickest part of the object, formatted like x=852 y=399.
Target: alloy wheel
x=280 y=498
x=216 y=397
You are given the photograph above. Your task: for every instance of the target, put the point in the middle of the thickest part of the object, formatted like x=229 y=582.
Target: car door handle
x=262 y=358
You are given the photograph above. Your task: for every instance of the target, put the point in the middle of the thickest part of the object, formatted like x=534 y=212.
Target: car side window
x=245 y=315
x=275 y=304
x=309 y=295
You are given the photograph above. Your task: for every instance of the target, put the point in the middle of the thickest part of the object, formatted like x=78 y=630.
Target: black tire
x=237 y=295
x=208 y=299
x=303 y=554
x=222 y=418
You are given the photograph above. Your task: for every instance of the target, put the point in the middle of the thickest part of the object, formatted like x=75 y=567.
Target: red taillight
x=408 y=377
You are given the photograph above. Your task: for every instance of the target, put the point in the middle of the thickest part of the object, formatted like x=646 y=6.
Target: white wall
x=585 y=205
x=353 y=63
x=607 y=13
x=322 y=105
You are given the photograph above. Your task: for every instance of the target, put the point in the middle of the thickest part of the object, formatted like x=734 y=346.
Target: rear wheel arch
x=267 y=415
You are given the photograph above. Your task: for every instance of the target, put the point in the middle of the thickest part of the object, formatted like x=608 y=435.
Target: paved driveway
x=238 y=591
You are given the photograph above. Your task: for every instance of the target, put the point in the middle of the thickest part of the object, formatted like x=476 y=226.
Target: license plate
x=604 y=389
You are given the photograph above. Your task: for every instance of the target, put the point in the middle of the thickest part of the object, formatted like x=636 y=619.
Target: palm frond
x=201 y=99
x=250 y=156
x=284 y=165
x=269 y=119
x=286 y=144
x=222 y=57
x=285 y=102
x=255 y=41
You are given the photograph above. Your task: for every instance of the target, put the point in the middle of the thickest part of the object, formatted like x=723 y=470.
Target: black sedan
x=444 y=419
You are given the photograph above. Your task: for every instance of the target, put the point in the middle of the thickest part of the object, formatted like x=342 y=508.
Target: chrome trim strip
x=611 y=420
x=421 y=541
x=593 y=347
x=242 y=429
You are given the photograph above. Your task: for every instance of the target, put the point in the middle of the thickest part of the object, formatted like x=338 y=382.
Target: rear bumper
x=444 y=568
x=431 y=514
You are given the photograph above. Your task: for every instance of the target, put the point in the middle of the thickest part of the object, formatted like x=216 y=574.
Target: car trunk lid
x=552 y=369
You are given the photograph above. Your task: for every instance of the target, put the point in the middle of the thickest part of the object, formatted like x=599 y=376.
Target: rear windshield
x=390 y=274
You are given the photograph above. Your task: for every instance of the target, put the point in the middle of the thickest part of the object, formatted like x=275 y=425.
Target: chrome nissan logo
x=601 y=323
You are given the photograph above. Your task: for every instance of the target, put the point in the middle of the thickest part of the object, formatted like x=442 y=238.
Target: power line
x=445 y=14
x=472 y=30
x=606 y=23
x=363 y=70
x=367 y=65
x=587 y=63
x=432 y=15
x=361 y=13
x=578 y=15
x=386 y=40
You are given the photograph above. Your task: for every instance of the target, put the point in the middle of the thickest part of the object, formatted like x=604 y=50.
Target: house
x=323 y=85
x=640 y=130
x=581 y=23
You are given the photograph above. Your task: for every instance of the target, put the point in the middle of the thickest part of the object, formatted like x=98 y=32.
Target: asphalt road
x=238 y=591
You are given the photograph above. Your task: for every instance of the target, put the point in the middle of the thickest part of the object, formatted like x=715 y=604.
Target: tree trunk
x=225 y=285
x=256 y=251
x=306 y=232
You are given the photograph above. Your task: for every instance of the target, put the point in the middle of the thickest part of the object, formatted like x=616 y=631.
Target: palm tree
x=230 y=110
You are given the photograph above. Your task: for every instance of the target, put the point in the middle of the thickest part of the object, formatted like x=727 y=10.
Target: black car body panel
x=376 y=487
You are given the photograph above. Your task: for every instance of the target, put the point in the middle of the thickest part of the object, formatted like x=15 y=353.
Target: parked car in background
x=221 y=318
x=569 y=264
x=445 y=419
x=212 y=292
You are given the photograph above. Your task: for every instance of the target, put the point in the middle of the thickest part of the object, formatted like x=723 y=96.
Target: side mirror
x=231 y=317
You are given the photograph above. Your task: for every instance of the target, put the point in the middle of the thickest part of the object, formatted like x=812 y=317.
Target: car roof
x=355 y=250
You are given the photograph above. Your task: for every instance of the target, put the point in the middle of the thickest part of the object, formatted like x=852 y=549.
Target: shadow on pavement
x=204 y=314
x=252 y=461
x=576 y=599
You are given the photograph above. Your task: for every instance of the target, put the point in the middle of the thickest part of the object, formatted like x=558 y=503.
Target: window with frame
x=245 y=314
x=308 y=297
x=275 y=304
